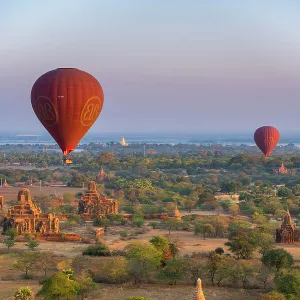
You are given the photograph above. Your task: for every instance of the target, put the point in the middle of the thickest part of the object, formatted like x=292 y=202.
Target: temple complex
x=287 y=233
x=283 y=170
x=92 y=204
x=199 y=291
x=123 y=142
x=26 y=217
x=101 y=176
x=1 y=202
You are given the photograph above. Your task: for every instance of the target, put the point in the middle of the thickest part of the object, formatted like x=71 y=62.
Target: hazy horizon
x=165 y=66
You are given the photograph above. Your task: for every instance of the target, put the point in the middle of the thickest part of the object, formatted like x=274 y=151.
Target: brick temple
x=26 y=217
x=101 y=176
x=283 y=170
x=287 y=233
x=92 y=204
x=1 y=202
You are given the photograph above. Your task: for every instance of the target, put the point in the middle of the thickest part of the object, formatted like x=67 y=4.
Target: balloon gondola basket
x=68 y=161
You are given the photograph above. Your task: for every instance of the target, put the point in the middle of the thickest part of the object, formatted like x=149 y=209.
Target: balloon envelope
x=266 y=139
x=67 y=102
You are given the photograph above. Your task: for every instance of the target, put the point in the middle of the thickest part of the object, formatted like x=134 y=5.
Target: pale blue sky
x=163 y=64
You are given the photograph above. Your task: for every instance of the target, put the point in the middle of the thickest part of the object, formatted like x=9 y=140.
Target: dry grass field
x=10 y=193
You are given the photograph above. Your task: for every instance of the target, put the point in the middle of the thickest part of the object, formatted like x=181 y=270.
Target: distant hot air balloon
x=266 y=139
x=67 y=102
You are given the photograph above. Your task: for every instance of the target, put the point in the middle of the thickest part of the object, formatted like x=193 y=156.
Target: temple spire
x=200 y=295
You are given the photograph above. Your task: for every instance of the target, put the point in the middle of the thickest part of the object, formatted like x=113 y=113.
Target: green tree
x=213 y=263
x=278 y=258
x=9 y=243
x=115 y=269
x=204 y=229
x=160 y=243
x=264 y=242
x=264 y=274
x=85 y=284
x=97 y=250
x=171 y=224
x=242 y=246
x=26 y=262
x=24 y=293
x=234 y=209
x=46 y=261
x=288 y=283
x=284 y=192
x=59 y=286
x=195 y=267
x=173 y=271
x=138 y=221
x=12 y=233
x=32 y=245
x=143 y=258
x=106 y=157
x=79 y=263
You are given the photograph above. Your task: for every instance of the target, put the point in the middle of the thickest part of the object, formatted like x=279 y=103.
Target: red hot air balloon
x=67 y=102
x=266 y=139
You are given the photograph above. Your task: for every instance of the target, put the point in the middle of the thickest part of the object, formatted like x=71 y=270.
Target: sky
x=164 y=65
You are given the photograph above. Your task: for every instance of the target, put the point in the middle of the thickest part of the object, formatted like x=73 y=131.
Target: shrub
x=97 y=250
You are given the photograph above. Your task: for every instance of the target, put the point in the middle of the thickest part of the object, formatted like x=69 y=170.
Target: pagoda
x=26 y=217
x=199 y=291
x=123 y=142
x=286 y=232
x=176 y=213
x=101 y=176
x=92 y=204
x=283 y=170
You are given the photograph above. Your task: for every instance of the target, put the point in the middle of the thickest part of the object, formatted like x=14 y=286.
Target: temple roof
x=287 y=220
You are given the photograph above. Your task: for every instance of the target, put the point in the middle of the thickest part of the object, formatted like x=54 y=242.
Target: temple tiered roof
x=26 y=217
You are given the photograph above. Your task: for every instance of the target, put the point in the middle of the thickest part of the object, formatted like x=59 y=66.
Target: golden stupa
x=200 y=295
x=123 y=142
x=176 y=213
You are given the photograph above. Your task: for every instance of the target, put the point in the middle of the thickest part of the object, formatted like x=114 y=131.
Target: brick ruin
x=26 y=217
x=1 y=202
x=92 y=204
x=287 y=233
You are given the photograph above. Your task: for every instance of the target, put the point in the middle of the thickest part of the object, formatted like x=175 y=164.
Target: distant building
x=151 y=152
x=123 y=142
x=101 y=176
x=283 y=170
x=92 y=204
x=5 y=184
x=287 y=233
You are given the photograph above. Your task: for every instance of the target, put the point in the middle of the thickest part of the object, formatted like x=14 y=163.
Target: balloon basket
x=68 y=161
